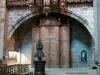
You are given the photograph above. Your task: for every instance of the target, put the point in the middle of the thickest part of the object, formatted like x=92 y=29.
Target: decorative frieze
x=79 y=1
x=43 y=2
x=17 y=2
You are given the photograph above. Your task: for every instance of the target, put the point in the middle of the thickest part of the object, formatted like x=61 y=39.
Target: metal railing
x=17 y=69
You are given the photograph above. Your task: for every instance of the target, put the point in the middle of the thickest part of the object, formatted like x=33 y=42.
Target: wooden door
x=56 y=45
x=49 y=36
x=65 y=46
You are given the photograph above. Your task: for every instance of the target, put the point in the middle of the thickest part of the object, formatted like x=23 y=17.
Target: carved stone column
x=2 y=23
x=97 y=5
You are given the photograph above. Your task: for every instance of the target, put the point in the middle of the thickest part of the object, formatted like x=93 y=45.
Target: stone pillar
x=2 y=20
x=98 y=26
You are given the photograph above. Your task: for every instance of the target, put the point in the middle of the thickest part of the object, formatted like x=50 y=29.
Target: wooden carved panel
x=49 y=36
x=56 y=45
x=54 y=53
x=65 y=45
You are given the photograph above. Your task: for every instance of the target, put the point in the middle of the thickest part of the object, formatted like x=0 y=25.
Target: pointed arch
x=68 y=13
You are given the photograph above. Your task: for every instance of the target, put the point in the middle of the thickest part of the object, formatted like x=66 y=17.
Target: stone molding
x=69 y=13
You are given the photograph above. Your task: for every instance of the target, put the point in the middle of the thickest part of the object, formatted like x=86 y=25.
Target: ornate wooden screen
x=65 y=46
x=49 y=36
x=56 y=44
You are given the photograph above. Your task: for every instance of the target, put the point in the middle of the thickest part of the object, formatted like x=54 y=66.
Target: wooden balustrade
x=18 y=69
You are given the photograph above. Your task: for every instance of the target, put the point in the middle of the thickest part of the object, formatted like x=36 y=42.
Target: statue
x=46 y=2
x=39 y=64
x=39 y=52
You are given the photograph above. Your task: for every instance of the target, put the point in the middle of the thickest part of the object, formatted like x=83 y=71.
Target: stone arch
x=68 y=13
x=83 y=56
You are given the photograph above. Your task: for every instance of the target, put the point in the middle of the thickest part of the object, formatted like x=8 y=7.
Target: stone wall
x=84 y=11
x=98 y=27
x=14 y=14
x=96 y=48
x=81 y=40
x=26 y=51
x=2 y=23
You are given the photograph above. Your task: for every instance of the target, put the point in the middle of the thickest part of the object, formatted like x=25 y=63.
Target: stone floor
x=70 y=71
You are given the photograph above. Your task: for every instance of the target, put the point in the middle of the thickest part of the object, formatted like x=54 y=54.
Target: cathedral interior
x=65 y=27
x=27 y=35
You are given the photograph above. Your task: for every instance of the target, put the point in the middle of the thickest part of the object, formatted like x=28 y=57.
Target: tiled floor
x=69 y=71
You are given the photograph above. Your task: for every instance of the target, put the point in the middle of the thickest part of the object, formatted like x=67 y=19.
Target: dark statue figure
x=39 y=52
x=39 y=64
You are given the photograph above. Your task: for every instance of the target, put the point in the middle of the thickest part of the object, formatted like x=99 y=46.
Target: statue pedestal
x=39 y=67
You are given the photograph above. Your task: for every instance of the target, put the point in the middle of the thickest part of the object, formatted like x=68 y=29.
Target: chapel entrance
x=56 y=43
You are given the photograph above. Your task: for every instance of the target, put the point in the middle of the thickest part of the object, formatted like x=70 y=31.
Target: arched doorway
x=62 y=45
x=84 y=57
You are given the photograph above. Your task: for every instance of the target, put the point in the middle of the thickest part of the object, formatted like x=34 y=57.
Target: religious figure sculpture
x=46 y=2
x=63 y=5
x=39 y=64
x=39 y=52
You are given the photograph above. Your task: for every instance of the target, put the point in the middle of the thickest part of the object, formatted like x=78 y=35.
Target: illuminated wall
x=26 y=50
x=81 y=40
